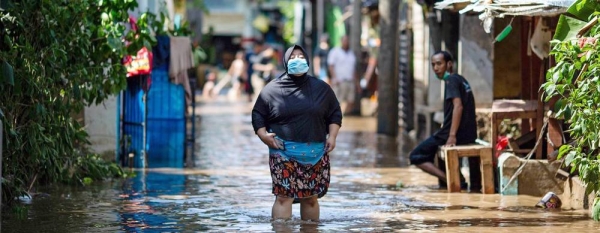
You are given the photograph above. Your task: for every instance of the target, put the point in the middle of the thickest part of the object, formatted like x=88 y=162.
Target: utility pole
x=387 y=85
x=355 y=46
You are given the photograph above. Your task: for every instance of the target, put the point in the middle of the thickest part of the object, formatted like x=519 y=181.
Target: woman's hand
x=333 y=132
x=330 y=144
x=267 y=138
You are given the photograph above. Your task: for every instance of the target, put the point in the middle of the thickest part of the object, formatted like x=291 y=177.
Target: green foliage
x=87 y=168
x=575 y=81
x=58 y=56
x=7 y=73
x=567 y=27
x=287 y=9
x=582 y=9
x=200 y=5
x=596 y=209
x=20 y=211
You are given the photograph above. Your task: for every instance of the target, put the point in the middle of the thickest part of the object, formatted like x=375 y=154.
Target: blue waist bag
x=303 y=152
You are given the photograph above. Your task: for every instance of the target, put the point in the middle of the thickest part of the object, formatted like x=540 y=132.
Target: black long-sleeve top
x=297 y=109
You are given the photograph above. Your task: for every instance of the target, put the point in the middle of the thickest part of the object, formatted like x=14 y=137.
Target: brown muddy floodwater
x=228 y=190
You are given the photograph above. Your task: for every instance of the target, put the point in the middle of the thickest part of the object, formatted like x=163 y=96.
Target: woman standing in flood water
x=298 y=117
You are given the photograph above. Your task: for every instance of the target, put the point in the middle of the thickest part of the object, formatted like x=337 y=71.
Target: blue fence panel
x=165 y=99
x=134 y=111
x=166 y=121
x=166 y=140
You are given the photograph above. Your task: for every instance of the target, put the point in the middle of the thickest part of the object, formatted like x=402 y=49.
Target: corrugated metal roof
x=490 y=9
x=501 y=8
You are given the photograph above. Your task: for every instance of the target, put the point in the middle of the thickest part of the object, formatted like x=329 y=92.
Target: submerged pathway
x=229 y=190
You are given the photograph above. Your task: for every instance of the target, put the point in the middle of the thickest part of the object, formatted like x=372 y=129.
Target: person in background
x=235 y=75
x=298 y=117
x=263 y=69
x=459 y=127
x=209 y=85
x=320 y=60
x=342 y=63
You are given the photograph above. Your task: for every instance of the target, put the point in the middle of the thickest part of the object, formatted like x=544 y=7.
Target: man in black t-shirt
x=459 y=125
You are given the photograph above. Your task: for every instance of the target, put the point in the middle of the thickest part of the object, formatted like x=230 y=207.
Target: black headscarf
x=288 y=54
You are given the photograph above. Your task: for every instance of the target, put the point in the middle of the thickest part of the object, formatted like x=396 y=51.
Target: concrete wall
x=435 y=41
x=574 y=195
x=537 y=178
x=476 y=57
x=101 y=125
x=420 y=54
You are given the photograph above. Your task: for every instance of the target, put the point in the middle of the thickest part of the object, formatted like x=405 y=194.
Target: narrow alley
x=229 y=190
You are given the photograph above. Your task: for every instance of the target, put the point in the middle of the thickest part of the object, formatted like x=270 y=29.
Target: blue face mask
x=297 y=66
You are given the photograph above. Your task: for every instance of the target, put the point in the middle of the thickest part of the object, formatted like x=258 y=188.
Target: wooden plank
x=555 y=135
x=452 y=176
x=464 y=147
x=507 y=105
x=540 y=114
x=516 y=115
x=494 y=137
x=525 y=58
x=463 y=151
x=487 y=171
x=467 y=151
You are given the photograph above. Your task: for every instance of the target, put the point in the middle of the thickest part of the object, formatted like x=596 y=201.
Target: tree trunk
x=1 y=179
x=355 y=46
x=387 y=85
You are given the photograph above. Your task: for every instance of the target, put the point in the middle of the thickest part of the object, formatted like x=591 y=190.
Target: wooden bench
x=452 y=154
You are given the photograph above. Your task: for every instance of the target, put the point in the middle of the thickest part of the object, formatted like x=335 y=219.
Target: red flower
x=286 y=174
x=586 y=40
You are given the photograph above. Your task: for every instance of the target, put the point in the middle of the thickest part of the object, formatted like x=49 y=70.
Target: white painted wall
x=421 y=50
x=101 y=125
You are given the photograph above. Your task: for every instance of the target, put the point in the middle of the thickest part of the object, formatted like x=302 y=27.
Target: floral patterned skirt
x=297 y=180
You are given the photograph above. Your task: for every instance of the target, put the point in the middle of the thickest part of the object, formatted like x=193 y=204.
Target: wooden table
x=513 y=109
